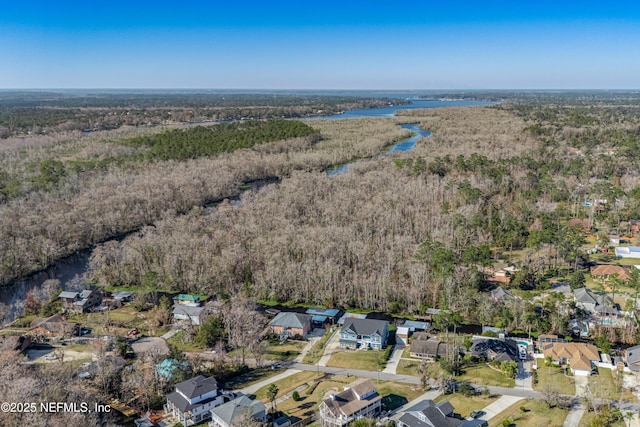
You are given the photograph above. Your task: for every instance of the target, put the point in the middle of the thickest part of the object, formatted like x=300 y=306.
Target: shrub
x=295 y=396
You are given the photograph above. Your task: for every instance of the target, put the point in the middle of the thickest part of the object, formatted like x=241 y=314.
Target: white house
x=193 y=400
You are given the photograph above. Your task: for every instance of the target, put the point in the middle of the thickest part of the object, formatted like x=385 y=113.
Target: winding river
x=73 y=267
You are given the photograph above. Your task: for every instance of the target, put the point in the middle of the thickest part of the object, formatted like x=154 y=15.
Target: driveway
x=331 y=347
x=150 y=344
x=498 y=406
x=392 y=364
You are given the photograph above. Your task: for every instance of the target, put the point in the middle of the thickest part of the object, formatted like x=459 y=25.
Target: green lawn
x=589 y=417
x=393 y=394
x=465 y=405
x=483 y=374
x=181 y=343
x=553 y=378
x=284 y=352
x=287 y=384
x=308 y=403
x=603 y=386
x=370 y=360
x=251 y=377
x=537 y=414
x=408 y=367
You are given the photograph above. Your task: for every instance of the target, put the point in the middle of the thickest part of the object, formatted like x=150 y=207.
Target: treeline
x=181 y=144
x=40 y=113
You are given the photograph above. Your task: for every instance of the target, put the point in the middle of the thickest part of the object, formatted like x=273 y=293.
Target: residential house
x=321 y=316
x=360 y=399
x=586 y=299
x=631 y=357
x=614 y=239
x=422 y=345
x=582 y=358
x=427 y=413
x=579 y=328
x=225 y=414
x=499 y=295
x=607 y=272
x=122 y=296
x=364 y=333
x=627 y=251
x=494 y=349
x=188 y=313
x=407 y=329
x=81 y=302
x=193 y=400
x=53 y=327
x=290 y=324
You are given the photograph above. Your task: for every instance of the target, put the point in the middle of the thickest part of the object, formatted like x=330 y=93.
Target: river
x=75 y=266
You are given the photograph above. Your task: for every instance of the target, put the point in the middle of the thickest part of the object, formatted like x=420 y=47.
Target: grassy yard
x=465 y=405
x=483 y=374
x=408 y=367
x=553 y=378
x=309 y=402
x=251 y=377
x=287 y=384
x=589 y=417
x=603 y=386
x=393 y=394
x=537 y=414
x=284 y=352
x=369 y=360
x=183 y=344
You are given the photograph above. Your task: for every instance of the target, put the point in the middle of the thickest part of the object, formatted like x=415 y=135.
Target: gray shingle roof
x=241 y=405
x=68 y=294
x=288 y=319
x=197 y=386
x=366 y=326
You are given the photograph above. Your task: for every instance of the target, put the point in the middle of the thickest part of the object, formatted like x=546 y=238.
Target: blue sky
x=320 y=45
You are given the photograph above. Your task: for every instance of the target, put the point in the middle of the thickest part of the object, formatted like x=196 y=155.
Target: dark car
x=477 y=413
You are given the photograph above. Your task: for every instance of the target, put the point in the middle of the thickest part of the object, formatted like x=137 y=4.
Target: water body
x=404 y=145
x=415 y=103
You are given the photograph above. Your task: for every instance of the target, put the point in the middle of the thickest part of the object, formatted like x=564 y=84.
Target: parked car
x=477 y=413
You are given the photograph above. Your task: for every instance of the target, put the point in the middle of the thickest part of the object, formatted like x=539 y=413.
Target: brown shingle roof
x=608 y=270
x=579 y=355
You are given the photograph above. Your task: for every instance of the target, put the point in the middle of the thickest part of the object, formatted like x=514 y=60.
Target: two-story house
x=81 y=302
x=360 y=399
x=364 y=333
x=193 y=400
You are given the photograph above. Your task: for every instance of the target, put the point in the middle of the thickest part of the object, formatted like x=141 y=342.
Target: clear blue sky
x=320 y=44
